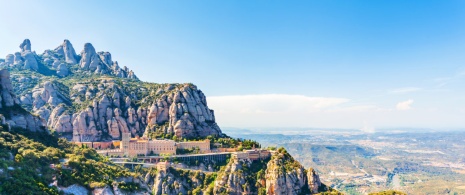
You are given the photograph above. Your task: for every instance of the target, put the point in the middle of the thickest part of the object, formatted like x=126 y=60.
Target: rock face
x=14 y=114
x=7 y=97
x=234 y=180
x=89 y=58
x=62 y=70
x=170 y=181
x=101 y=63
x=108 y=108
x=66 y=49
x=56 y=61
x=26 y=59
x=30 y=62
x=314 y=182
x=105 y=100
x=280 y=174
x=25 y=45
x=284 y=175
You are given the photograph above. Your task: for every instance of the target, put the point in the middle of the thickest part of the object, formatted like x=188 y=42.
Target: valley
x=355 y=162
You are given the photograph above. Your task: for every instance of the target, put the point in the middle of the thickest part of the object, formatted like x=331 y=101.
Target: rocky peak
x=66 y=49
x=105 y=57
x=25 y=45
x=89 y=58
x=63 y=59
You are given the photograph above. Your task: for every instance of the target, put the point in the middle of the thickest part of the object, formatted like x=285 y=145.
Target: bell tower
x=125 y=143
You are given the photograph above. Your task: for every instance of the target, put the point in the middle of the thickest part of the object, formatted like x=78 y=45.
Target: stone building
x=203 y=146
x=144 y=146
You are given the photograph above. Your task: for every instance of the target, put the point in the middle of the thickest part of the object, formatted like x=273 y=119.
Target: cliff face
x=284 y=175
x=11 y=112
x=234 y=180
x=88 y=97
x=174 y=181
x=280 y=174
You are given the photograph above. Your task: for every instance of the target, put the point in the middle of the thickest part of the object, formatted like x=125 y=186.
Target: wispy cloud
x=404 y=90
x=271 y=103
x=443 y=81
x=405 y=105
x=283 y=110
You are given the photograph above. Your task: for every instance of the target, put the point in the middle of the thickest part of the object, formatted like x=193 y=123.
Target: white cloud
x=405 y=105
x=273 y=103
x=282 y=110
x=404 y=90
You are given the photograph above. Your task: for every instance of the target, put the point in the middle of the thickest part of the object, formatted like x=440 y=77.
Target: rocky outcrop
x=25 y=45
x=93 y=108
x=62 y=70
x=7 y=98
x=59 y=61
x=89 y=58
x=233 y=180
x=66 y=49
x=30 y=61
x=280 y=174
x=107 y=109
x=314 y=182
x=175 y=181
x=101 y=63
x=26 y=59
x=284 y=175
x=14 y=114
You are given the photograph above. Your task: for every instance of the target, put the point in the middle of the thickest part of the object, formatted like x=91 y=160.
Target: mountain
x=87 y=97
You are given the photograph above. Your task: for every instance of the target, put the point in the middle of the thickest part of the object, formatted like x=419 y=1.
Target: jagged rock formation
x=95 y=100
x=57 y=61
x=233 y=180
x=11 y=112
x=176 y=181
x=101 y=63
x=314 y=182
x=26 y=59
x=284 y=175
x=279 y=175
x=66 y=49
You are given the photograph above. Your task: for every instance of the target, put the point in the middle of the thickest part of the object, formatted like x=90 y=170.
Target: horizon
x=357 y=65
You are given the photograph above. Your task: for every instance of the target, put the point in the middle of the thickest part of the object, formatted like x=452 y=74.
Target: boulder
x=62 y=70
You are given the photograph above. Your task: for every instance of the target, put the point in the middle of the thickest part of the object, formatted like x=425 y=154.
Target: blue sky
x=371 y=64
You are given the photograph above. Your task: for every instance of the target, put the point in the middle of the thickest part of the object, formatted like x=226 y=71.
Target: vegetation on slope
x=30 y=161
